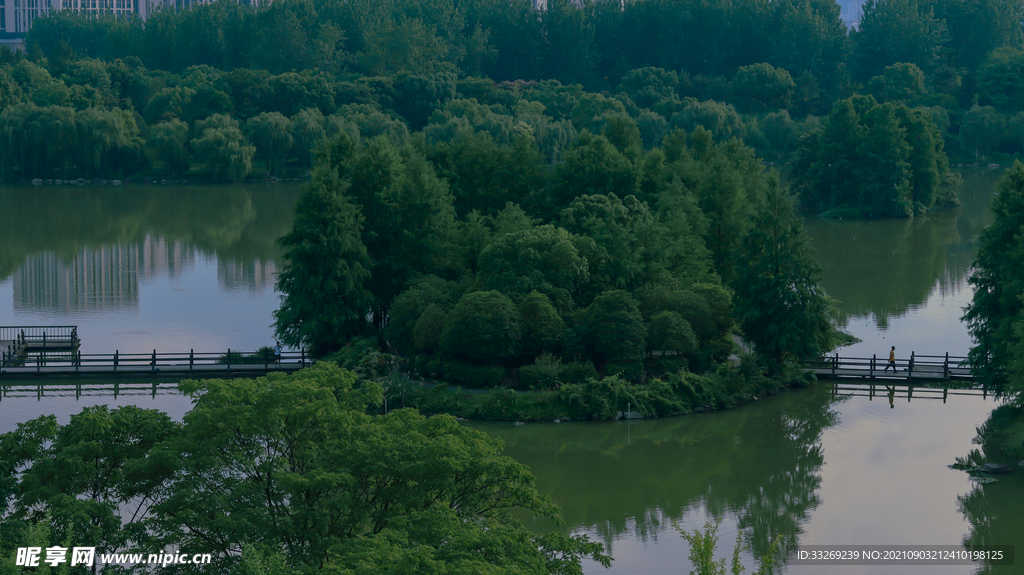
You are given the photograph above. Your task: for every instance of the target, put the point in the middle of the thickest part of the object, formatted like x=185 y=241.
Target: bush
x=473 y=376
x=694 y=390
x=604 y=399
x=628 y=370
x=577 y=372
x=349 y=356
x=501 y=403
x=263 y=355
x=543 y=374
x=440 y=399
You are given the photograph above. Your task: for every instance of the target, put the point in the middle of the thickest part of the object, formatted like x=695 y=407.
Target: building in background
x=16 y=16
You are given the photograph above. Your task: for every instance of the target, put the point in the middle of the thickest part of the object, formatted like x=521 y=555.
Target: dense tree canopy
x=875 y=160
x=289 y=473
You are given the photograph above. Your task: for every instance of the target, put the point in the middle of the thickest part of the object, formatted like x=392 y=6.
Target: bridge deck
x=918 y=368
x=191 y=364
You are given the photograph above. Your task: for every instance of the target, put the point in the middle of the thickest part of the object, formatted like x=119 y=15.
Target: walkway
x=191 y=363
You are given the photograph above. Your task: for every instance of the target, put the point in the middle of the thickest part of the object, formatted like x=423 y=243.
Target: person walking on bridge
x=892 y=360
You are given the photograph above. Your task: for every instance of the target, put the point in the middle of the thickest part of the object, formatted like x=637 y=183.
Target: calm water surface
x=170 y=268
x=174 y=268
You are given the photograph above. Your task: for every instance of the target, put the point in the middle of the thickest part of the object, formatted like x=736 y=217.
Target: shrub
x=501 y=403
x=543 y=374
x=349 y=356
x=577 y=372
x=263 y=355
x=628 y=370
x=473 y=376
x=440 y=399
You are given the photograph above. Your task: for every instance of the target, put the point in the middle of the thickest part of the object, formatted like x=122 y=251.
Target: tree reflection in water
x=236 y=222
x=759 y=462
x=995 y=509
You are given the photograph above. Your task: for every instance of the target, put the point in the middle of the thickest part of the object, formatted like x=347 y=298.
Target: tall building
x=16 y=16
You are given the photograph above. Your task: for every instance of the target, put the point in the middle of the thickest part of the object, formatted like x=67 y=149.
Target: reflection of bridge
x=897 y=389
x=919 y=368
x=78 y=389
x=74 y=363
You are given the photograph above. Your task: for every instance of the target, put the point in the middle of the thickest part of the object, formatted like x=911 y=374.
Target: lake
x=175 y=268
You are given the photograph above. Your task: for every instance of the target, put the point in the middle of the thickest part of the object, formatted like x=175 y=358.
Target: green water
x=805 y=468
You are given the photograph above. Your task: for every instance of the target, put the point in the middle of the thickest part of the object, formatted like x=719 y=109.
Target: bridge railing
x=233 y=360
x=40 y=334
x=944 y=366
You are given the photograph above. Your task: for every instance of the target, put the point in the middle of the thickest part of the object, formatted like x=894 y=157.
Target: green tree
x=108 y=141
x=226 y=151
x=490 y=321
x=995 y=316
x=429 y=328
x=892 y=31
x=323 y=298
x=270 y=134
x=168 y=143
x=668 y=331
x=542 y=327
x=90 y=477
x=591 y=166
x=410 y=209
x=410 y=305
x=781 y=308
x=1001 y=78
x=544 y=259
x=873 y=160
x=614 y=331
x=900 y=83
x=763 y=87
x=330 y=487
x=307 y=131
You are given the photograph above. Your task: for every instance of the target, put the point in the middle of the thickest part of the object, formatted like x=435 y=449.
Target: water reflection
x=884 y=269
x=98 y=279
x=88 y=249
x=760 y=463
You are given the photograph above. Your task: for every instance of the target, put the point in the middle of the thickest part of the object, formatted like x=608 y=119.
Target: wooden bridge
x=918 y=368
x=19 y=341
x=74 y=363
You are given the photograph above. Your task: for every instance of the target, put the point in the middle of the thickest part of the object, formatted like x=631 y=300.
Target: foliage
x=482 y=327
x=544 y=374
x=328 y=486
x=323 y=301
x=613 y=329
x=876 y=160
x=473 y=376
x=780 y=307
x=995 y=316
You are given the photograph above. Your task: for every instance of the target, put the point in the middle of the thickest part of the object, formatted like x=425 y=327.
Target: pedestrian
x=892 y=360
x=277 y=352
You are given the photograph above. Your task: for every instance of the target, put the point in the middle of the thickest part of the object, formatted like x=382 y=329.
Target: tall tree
x=995 y=316
x=323 y=298
x=781 y=308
